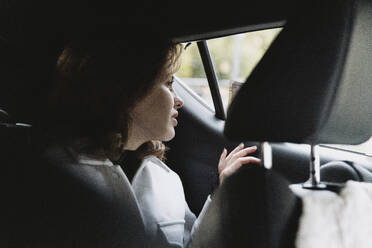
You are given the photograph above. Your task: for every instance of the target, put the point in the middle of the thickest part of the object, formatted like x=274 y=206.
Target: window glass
x=235 y=57
x=192 y=72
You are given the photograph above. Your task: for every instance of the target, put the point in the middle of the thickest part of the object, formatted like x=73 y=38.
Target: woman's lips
x=174 y=121
x=175 y=115
x=174 y=118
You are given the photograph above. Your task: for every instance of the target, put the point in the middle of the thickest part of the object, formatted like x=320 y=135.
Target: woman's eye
x=169 y=84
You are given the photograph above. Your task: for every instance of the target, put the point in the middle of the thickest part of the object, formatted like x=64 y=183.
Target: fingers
x=237 y=153
x=244 y=160
x=240 y=161
x=223 y=154
x=222 y=161
x=236 y=165
x=230 y=163
x=237 y=149
x=242 y=153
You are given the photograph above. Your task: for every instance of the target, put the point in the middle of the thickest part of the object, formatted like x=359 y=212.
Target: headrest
x=314 y=83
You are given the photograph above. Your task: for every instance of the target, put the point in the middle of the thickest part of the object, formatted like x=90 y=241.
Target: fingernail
x=241 y=144
x=224 y=150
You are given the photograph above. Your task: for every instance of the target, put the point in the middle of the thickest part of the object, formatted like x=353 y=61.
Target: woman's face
x=154 y=117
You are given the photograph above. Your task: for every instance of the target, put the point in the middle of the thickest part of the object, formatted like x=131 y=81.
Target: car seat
x=44 y=203
x=312 y=86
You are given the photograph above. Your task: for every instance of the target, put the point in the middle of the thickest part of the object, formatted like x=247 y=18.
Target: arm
x=192 y=223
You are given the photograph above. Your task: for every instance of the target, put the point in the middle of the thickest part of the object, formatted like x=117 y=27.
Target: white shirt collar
x=85 y=159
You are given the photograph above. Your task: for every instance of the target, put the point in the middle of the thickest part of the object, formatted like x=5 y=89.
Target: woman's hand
x=231 y=163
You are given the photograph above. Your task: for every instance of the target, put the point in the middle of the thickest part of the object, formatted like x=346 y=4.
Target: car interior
x=310 y=89
x=296 y=98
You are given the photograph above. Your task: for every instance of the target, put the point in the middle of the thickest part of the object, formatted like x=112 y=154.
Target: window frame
x=212 y=79
x=214 y=88
x=209 y=68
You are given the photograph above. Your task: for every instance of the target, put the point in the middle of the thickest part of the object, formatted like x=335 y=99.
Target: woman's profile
x=111 y=106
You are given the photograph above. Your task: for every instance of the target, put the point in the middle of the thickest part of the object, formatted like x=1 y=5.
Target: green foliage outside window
x=247 y=49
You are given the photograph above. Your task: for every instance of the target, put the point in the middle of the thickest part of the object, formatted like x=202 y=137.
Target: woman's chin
x=170 y=135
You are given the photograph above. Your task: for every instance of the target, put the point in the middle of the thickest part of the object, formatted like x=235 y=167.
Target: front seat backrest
x=312 y=86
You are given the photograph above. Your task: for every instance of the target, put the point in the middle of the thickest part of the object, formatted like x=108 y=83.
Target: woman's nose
x=178 y=102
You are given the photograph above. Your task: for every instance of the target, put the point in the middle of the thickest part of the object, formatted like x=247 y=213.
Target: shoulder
x=154 y=168
x=153 y=162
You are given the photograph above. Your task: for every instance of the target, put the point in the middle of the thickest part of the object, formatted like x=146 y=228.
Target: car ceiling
x=32 y=33
x=21 y=19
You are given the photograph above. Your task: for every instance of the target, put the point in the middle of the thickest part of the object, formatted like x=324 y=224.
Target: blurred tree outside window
x=234 y=57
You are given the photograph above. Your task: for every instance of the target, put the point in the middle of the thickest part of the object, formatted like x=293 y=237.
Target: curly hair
x=96 y=85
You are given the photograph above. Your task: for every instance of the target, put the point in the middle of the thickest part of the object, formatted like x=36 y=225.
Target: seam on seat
x=352 y=165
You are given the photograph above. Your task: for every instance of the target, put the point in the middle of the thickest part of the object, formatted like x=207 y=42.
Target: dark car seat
x=43 y=202
x=312 y=86
x=13 y=137
x=48 y=200
x=252 y=208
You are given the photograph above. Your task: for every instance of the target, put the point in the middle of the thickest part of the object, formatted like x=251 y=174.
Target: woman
x=114 y=101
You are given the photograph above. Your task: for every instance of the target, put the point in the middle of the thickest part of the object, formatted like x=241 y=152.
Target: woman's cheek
x=167 y=98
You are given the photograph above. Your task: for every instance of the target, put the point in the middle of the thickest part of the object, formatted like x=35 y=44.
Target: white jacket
x=159 y=195
x=167 y=217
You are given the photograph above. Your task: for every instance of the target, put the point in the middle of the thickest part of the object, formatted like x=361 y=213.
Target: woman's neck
x=135 y=140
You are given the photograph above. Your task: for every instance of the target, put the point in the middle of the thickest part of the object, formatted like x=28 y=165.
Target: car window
x=234 y=58
x=192 y=72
